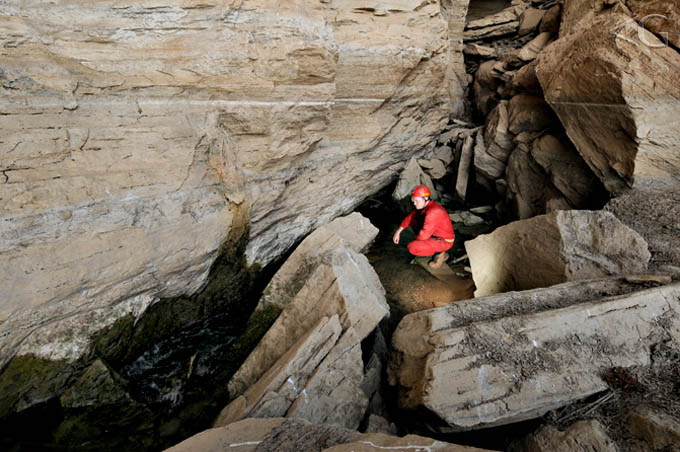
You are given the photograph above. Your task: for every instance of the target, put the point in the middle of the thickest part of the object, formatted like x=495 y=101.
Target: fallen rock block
x=549 y=249
x=353 y=231
x=411 y=176
x=507 y=358
x=529 y=20
x=614 y=89
x=583 y=436
x=309 y=363
x=280 y=435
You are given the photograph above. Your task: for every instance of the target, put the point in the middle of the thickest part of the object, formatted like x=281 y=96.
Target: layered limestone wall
x=134 y=136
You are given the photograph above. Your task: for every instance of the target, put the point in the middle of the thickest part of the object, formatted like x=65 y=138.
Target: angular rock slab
x=343 y=299
x=499 y=369
x=353 y=231
x=614 y=88
x=557 y=247
x=282 y=435
x=410 y=177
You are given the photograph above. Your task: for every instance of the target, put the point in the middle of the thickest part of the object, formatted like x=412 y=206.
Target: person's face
x=419 y=202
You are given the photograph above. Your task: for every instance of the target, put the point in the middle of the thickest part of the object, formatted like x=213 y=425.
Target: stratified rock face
x=136 y=138
x=614 y=85
x=549 y=249
x=507 y=358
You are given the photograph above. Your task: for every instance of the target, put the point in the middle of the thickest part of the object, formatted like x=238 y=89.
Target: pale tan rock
x=479 y=50
x=138 y=139
x=659 y=17
x=502 y=17
x=434 y=167
x=274 y=393
x=412 y=176
x=242 y=436
x=496 y=135
x=526 y=185
x=353 y=231
x=582 y=436
x=445 y=154
x=343 y=284
x=485 y=86
x=529 y=20
x=510 y=364
x=485 y=163
x=279 y=434
x=525 y=80
x=615 y=95
x=551 y=20
x=531 y=49
x=655 y=215
x=554 y=248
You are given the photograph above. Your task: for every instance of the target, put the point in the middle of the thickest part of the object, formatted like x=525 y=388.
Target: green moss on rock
x=28 y=380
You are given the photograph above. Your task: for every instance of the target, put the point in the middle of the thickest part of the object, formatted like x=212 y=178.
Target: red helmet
x=421 y=191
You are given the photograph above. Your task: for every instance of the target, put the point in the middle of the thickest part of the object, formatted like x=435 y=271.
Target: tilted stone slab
x=507 y=369
x=353 y=231
x=550 y=249
x=344 y=284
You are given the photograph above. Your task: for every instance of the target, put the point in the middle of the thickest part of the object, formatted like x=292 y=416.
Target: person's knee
x=412 y=248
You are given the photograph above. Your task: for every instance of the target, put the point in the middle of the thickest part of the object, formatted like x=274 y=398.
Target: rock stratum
x=139 y=140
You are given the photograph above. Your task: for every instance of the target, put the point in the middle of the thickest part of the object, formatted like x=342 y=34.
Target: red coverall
x=432 y=226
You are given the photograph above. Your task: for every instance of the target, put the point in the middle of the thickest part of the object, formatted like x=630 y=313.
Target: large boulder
x=309 y=363
x=140 y=142
x=549 y=249
x=614 y=89
x=506 y=358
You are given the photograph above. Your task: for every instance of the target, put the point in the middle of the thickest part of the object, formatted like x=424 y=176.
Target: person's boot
x=438 y=260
